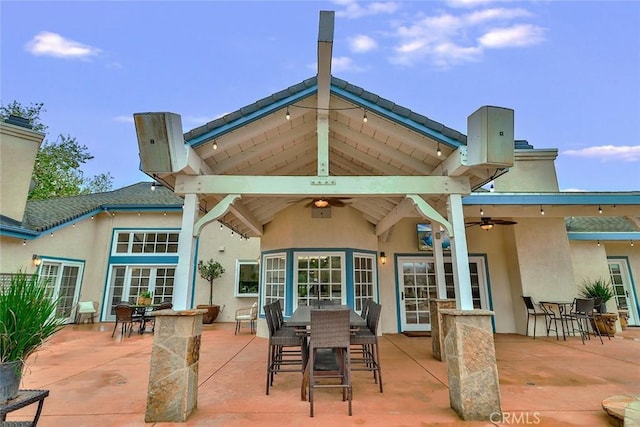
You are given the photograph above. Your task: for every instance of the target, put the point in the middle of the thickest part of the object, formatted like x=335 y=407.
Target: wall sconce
x=383 y=258
x=36 y=260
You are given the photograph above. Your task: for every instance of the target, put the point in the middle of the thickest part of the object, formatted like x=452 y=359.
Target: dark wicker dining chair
x=287 y=349
x=330 y=335
x=125 y=317
x=583 y=315
x=366 y=352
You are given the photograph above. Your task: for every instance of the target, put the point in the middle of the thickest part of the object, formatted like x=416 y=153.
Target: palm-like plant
x=27 y=317
x=598 y=288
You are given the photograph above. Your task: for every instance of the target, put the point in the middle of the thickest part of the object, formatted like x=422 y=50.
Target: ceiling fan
x=488 y=223
x=325 y=202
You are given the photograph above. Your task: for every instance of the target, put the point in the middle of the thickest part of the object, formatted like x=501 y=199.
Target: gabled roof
x=44 y=215
x=296 y=93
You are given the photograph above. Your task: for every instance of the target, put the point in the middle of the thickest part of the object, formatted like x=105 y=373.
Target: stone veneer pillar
x=172 y=393
x=437 y=333
x=474 y=391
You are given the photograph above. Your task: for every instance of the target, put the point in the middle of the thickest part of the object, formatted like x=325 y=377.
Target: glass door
x=64 y=284
x=624 y=295
x=417 y=286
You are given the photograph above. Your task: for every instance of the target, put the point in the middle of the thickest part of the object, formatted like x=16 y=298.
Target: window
x=146 y=242
x=274 y=273
x=247 y=273
x=319 y=277
x=363 y=279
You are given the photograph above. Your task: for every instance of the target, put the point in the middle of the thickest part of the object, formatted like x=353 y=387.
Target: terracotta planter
x=144 y=301
x=624 y=316
x=211 y=314
x=606 y=323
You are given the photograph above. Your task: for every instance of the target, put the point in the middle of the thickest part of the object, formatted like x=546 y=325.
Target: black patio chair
x=125 y=317
x=583 y=315
x=533 y=312
x=366 y=352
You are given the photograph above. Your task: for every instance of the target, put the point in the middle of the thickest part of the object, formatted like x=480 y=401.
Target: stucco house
x=332 y=192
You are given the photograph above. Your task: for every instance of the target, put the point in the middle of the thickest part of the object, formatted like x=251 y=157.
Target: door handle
x=627 y=292
x=402 y=293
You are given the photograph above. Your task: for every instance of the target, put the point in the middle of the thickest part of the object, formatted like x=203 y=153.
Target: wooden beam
x=345 y=186
x=325 y=48
x=216 y=212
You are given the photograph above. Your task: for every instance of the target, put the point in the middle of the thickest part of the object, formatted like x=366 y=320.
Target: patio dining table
x=142 y=311
x=562 y=308
x=301 y=319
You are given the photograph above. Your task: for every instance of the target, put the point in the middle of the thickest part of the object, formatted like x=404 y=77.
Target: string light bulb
x=438 y=150
x=632 y=243
x=600 y=209
x=365 y=119
x=598 y=243
x=287 y=115
x=215 y=144
x=153 y=186
x=481 y=211
x=541 y=210
x=492 y=188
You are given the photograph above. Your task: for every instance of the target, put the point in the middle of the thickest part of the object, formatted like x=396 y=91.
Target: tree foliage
x=57 y=169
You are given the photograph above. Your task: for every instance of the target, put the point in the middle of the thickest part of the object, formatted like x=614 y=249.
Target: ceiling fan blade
x=504 y=222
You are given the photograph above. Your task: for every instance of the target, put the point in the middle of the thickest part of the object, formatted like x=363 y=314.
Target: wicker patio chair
x=330 y=334
x=126 y=319
x=86 y=308
x=247 y=314
x=366 y=354
x=287 y=348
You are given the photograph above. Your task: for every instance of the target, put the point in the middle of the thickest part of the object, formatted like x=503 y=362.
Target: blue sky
x=569 y=69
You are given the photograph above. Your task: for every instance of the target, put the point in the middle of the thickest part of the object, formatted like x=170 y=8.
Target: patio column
x=182 y=291
x=437 y=332
x=474 y=390
x=172 y=394
x=459 y=254
x=438 y=258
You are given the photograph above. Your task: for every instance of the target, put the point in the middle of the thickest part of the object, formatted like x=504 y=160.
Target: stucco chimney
x=19 y=145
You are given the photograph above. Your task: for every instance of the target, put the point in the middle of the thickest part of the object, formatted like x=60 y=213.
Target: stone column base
x=172 y=394
x=437 y=332
x=474 y=390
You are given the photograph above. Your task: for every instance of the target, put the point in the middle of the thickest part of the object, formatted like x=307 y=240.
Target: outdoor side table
x=25 y=398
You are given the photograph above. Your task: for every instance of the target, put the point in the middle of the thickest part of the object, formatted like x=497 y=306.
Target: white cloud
x=518 y=35
x=51 y=44
x=123 y=119
x=447 y=38
x=343 y=63
x=468 y=3
x=362 y=43
x=353 y=9
x=625 y=153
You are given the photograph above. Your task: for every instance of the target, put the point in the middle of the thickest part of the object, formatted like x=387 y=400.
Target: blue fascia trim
x=143 y=259
x=417 y=127
x=566 y=198
x=605 y=235
x=20 y=233
x=61 y=259
x=147 y=229
x=247 y=119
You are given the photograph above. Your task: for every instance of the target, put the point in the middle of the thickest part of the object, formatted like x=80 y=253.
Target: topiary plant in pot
x=210 y=271
x=600 y=289
x=27 y=320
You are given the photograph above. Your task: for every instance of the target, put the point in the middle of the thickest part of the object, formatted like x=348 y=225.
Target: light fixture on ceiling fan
x=487 y=223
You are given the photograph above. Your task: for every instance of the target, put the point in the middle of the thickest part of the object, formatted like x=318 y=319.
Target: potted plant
x=598 y=289
x=27 y=320
x=145 y=297
x=601 y=290
x=210 y=271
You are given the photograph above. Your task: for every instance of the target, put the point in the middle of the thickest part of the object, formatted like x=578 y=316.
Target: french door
x=127 y=281
x=417 y=286
x=624 y=296
x=64 y=284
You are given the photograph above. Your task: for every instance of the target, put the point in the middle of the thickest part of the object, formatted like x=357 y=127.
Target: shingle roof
x=293 y=90
x=41 y=215
x=596 y=224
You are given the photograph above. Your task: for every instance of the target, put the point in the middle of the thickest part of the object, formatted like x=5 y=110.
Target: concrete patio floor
x=95 y=380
